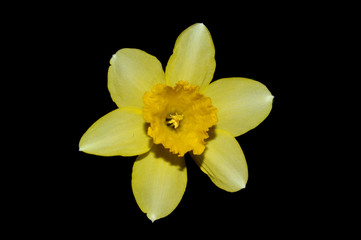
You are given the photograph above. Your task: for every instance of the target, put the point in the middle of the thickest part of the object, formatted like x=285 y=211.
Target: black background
x=73 y=192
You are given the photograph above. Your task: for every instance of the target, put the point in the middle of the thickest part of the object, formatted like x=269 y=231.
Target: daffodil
x=161 y=116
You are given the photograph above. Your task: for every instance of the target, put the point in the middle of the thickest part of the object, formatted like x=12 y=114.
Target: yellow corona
x=184 y=132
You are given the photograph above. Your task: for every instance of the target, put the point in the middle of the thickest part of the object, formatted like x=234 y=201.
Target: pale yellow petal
x=159 y=180
x=193 y=57
x=131 y=74
x=120 y=132
x=224 y=162
x=242 y=103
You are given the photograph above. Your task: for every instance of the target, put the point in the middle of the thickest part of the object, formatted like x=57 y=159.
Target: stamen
x=173 y=120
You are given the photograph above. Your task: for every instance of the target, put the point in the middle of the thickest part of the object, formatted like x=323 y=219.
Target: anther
x=173 y=120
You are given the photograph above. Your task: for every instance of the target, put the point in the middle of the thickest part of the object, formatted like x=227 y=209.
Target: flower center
x=179 y=117
x=173 y=120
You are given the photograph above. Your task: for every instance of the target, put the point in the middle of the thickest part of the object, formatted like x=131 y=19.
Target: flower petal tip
x=201 y=26
x=81 y=148
x=236 y=188
x=151 y=217
x=268 y=97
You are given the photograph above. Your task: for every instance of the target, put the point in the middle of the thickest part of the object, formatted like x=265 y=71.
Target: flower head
x=163 y=115
x=179 y=117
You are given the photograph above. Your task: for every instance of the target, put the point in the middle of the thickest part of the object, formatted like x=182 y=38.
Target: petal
x=242 y=103
x=131 y=74
x=193 y=57
x=120 y=132
x=159 y=180
x=223 y=161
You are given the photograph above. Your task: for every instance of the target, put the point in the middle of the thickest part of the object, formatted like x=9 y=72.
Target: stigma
x=173 y=120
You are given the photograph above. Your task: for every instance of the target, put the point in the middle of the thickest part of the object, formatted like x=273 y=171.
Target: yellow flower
x=163 y=115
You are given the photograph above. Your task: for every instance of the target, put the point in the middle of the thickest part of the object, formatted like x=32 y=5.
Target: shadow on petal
x=160 y=152
x=200 y=158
